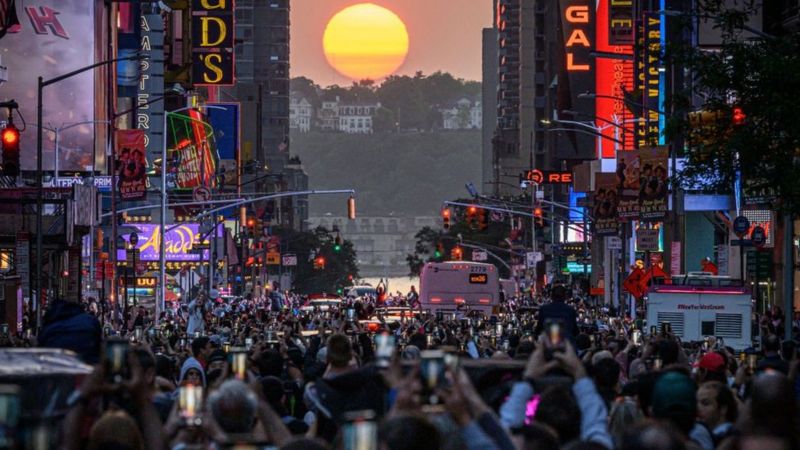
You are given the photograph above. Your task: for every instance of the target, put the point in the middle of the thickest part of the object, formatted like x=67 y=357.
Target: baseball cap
x=713 y=362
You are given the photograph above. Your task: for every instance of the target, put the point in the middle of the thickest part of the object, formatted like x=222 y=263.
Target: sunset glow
x=365 y=41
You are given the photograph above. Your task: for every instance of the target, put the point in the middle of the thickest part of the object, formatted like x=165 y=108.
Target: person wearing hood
x=68 y=326
x=192 y=372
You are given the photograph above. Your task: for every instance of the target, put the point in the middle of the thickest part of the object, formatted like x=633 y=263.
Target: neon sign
x=578 y=16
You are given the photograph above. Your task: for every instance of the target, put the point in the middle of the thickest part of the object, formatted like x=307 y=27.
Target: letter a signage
x=212 y=42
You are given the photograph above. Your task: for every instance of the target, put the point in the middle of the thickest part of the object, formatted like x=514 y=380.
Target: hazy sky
x=444 y=35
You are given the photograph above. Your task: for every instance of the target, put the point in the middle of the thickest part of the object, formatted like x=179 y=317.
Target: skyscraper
x=262 y=69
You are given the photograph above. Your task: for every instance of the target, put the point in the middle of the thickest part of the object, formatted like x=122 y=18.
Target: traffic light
x=482 y=222
x=446 y=219
x=472 y=211
x=439 y=251
x=319 y=263
x=351 y=208
x=738 y=116
x=10 y=138
x=456 y=254
x=251 y=226
x=538 y=216
x=337 y=243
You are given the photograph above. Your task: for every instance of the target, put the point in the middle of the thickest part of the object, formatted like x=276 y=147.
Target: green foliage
x=413 y=103
x=763 y=78
x=319 y=242
x=407 y=174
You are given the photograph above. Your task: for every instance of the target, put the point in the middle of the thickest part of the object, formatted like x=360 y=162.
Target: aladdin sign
x=179 y=243
x=212 y=42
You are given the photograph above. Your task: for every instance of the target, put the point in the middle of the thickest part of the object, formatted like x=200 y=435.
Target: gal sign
x=212 y=42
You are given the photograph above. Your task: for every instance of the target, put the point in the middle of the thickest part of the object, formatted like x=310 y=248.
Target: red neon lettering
x=44 y=18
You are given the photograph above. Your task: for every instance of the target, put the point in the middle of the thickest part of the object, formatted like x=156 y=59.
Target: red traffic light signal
x=537 y=212
x=10 y=140
x=456 y=254
x=482 y=223
x=738 y=116
x=319 y=262
x=446 y=219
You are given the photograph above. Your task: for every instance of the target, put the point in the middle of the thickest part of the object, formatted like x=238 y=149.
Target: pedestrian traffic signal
x=446 y=219
x=456 y=254
x=738 y=116
x=10 y=139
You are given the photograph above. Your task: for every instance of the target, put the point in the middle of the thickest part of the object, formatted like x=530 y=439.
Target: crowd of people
x=555 y=372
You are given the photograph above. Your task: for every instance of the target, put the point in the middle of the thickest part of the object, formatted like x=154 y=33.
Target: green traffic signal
x=337 y=248
x=437 y=254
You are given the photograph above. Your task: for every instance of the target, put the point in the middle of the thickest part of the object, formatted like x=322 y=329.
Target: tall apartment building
x=519 y=25
x=489 y=69
x=262 y=59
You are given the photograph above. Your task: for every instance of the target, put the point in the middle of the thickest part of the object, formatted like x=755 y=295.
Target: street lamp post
x=41 y=84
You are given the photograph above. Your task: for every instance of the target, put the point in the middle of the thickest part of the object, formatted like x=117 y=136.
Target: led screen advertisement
x=179 y=243
x=614 y=77
x=54 y=37
x=192 y=151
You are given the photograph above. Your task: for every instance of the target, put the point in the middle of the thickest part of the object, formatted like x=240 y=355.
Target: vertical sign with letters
x=150 y=116
x=212 y=42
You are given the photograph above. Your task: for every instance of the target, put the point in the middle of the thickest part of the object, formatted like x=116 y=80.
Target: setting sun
x=365 y=41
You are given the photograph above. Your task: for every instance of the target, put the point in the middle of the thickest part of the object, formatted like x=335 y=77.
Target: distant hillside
x=406 y=174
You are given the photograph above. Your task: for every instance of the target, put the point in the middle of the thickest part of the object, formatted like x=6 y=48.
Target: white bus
x=446 y=286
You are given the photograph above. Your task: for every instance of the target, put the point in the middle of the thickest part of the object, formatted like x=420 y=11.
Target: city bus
x=448 y=286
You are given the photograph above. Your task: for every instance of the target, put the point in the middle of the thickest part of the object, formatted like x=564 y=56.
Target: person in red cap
x=711 y=367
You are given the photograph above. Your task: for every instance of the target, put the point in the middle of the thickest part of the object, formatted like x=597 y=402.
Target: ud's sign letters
x=212 y=42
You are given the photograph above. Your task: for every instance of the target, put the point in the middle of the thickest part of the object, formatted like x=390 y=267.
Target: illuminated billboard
x=192 y=150
x=614 y=77
x=576 y=35
x=178 y=244
x=212 y=42
x=54 y=37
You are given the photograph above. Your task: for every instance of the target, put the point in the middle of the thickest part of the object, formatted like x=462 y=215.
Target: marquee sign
x=179 y=243
x=212 y=42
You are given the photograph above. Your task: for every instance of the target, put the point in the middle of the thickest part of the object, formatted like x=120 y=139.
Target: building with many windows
x=301 y=113
x=356 y=118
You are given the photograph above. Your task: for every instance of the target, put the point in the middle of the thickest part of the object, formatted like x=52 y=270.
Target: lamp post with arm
x=162 y=290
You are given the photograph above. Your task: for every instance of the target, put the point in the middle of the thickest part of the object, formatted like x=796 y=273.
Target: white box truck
x=700 y=305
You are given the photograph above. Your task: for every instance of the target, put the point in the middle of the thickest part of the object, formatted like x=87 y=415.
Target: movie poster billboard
x=54 y=37
x=604 y=205
x=628 y=185
x=131 y=164
x=653 y=184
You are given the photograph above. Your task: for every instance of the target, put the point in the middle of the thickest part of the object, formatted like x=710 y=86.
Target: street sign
x=613 y=243
x=289 y=260
x=273 y=258
x=740 y=226
x=759 y=237
x=647 y=240
x=479 y=255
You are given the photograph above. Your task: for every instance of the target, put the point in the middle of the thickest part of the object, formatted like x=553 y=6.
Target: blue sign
x=226 y=128
x=740 y=226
